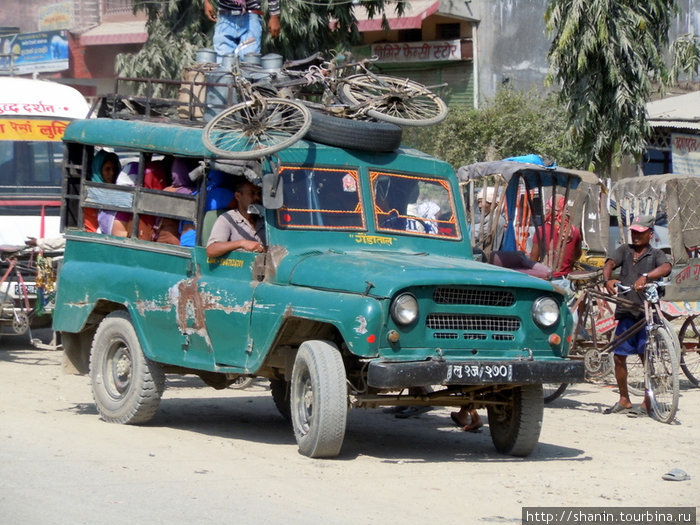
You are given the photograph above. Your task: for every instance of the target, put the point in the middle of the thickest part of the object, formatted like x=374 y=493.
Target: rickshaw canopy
x=676 y=195
x=583 y=191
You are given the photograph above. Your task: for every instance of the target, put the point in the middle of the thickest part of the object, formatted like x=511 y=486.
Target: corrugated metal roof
x=681 y=111
x=112 y=33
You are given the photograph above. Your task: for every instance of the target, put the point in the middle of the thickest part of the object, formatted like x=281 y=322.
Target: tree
x=177 y=28
x=512 y=123
x=607 y=55
x=685 y=52
x=313 y=25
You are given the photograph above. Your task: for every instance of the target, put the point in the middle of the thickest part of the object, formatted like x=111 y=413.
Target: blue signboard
x=44 y=51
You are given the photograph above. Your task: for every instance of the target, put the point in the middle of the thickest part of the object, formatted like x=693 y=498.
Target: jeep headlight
x=404 y=309
x=545 y=312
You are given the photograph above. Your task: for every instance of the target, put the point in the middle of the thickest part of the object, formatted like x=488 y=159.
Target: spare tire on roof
x=353 y=134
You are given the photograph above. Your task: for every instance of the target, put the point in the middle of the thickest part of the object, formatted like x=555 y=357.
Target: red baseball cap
x=642 y=223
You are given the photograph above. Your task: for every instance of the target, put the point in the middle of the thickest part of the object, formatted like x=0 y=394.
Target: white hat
x=489 y=192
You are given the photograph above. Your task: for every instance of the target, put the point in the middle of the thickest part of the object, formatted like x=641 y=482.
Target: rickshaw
x=522 y=196
x=674 y=200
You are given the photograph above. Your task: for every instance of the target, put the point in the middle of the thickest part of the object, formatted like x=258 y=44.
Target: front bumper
x=392 y=375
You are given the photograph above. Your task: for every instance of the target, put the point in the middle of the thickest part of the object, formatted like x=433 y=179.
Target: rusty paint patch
x=190 y=305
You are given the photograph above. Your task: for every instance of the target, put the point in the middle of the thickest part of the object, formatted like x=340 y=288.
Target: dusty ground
x=221 y=456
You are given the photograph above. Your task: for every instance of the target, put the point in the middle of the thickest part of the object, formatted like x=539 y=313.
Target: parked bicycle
x=16 y=310
x=594 y=342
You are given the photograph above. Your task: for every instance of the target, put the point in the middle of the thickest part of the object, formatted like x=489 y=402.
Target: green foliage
x=685 y=53
x=178 y=28
x=512 y=123
x=607 y=55
x=319 y=25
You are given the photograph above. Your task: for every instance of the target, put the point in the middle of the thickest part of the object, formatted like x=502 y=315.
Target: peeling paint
x=190 y=304
x=361 y=327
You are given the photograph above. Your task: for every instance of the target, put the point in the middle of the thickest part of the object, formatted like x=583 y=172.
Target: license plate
x=482 y=372
x=30 y=289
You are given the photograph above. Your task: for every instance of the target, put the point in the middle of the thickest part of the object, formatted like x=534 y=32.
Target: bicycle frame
x=7 y=305
x=652 y=318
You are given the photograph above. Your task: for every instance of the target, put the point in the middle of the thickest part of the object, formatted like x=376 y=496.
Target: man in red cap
x=638 y=263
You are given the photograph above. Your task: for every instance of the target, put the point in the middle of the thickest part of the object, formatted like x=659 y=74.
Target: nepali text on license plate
x=30 y=289
x=480 y=371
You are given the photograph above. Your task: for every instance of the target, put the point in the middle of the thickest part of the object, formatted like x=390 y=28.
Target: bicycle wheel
x=256 y=128
x=661 y=374
x=689 y=337
x=399 y=101
x=551 y=391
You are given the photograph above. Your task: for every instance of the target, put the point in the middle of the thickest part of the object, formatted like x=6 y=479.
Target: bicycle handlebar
x=654 y=284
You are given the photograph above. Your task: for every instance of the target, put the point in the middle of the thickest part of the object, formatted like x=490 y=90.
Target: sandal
x=617 y=408
x=638 y=412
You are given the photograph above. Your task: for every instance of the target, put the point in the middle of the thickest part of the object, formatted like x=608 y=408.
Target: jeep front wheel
x=318 y=399
x=515 y=425
x=126 y=386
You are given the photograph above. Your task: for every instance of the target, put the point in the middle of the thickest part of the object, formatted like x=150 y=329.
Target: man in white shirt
x=239 y=229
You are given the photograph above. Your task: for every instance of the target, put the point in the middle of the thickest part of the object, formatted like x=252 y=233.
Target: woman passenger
x=105 y=167
x=169 y=230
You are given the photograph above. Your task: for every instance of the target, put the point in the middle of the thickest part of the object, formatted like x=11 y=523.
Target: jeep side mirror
x=272 y=191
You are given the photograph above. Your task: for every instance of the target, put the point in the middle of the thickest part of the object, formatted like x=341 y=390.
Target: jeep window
x=413 y=205
x=321 y=198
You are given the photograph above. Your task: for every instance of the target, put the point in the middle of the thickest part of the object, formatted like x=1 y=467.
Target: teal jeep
x=367 y=288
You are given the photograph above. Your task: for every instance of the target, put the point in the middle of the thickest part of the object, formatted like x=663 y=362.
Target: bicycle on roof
x=262 y=111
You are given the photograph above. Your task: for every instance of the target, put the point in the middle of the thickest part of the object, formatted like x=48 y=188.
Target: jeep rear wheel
x=319 y=399
x=515 y=425
x=280 y=395
x=126 y=386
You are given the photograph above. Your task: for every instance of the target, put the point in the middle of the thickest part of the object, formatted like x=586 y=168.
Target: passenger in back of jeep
x=105 y=167
x=155 y=177
x=113 y=222
x=169 y=230
x=239 y=229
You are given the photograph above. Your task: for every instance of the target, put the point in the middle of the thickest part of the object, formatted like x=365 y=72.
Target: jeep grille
x=473 y=322
x=473 y=296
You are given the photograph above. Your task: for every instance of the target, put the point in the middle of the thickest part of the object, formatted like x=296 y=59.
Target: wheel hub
x=121 y=369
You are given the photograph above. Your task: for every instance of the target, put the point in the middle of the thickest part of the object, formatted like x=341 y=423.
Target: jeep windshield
x=402 y=203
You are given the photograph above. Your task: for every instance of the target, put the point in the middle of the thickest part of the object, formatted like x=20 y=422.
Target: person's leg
x=417 y=410
x=621 y=351
x=227 y=33
x=461 y=418
x=467 y=418
x=475 y=422
x=621 y=379
x=251 y=27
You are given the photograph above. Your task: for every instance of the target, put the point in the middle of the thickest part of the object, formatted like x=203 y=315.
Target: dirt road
x=225 y=456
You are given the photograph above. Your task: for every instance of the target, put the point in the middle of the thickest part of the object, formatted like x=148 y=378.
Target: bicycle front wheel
x=661 y=374
x=256 y=128
x=396 y=100
x=689 y=337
